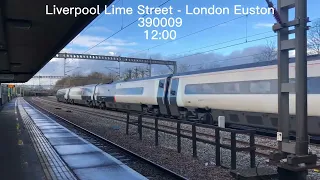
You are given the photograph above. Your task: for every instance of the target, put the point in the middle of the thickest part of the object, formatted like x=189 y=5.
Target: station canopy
x=29 y=38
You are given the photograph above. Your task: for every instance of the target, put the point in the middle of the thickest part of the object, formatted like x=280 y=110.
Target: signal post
x=293 y=159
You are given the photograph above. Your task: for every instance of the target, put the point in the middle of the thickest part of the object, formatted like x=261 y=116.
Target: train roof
x=244 y=66
x=140 y=79
x=89 y=85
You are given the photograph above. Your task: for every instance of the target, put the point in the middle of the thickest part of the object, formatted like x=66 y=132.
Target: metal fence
x=217 y=137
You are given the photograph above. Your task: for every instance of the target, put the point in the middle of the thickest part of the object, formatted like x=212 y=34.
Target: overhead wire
x=246 y=26
x=147 y=49
x=93 y=23
x=122 y=29
x=224 y=42
x=228 y=59
x=225 y=59
x=232 y=45
x=245 y=37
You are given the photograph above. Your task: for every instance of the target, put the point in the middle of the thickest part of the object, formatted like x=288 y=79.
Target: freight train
x=245 y=94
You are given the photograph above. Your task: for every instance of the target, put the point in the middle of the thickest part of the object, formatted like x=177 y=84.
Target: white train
x=245 y=94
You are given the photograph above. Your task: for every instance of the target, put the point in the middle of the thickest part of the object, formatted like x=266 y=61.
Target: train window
x=208 y=88
x=161 y=85
x=191 y=89
x=90 y=91
x=200 y=89
x=130 y=91
x=232 y=87
x=314 y=85
x=260 y=87
x=61 y=92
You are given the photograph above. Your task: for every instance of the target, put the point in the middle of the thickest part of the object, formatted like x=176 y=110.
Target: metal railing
x=217 y=137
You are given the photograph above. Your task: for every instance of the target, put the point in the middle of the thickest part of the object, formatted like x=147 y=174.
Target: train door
x=66 y=95
x=162 y=96
x=94 y=95
x=172 y=97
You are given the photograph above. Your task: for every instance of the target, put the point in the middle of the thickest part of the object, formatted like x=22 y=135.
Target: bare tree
x=80 y=80
x=268 y=52
x=142 y=72
x=135 y=73
x=314 y=38
x=127 y=74
x=114 y=76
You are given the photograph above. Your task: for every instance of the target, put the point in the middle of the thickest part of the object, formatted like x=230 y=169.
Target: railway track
x=145 y=167
x=262 y=150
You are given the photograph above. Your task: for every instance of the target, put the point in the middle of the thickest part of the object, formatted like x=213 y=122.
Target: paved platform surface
x=53 y=166
x=56 y=145
x=18 y=159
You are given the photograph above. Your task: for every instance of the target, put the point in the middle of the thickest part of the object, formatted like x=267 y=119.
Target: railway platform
x=18 y=157
x=33 y=146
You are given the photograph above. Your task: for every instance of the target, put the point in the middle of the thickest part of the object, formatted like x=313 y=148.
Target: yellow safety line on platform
x=20 y=142
x=15 y=106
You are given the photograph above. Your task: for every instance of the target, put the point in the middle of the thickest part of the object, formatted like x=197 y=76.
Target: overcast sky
x=217 y=42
